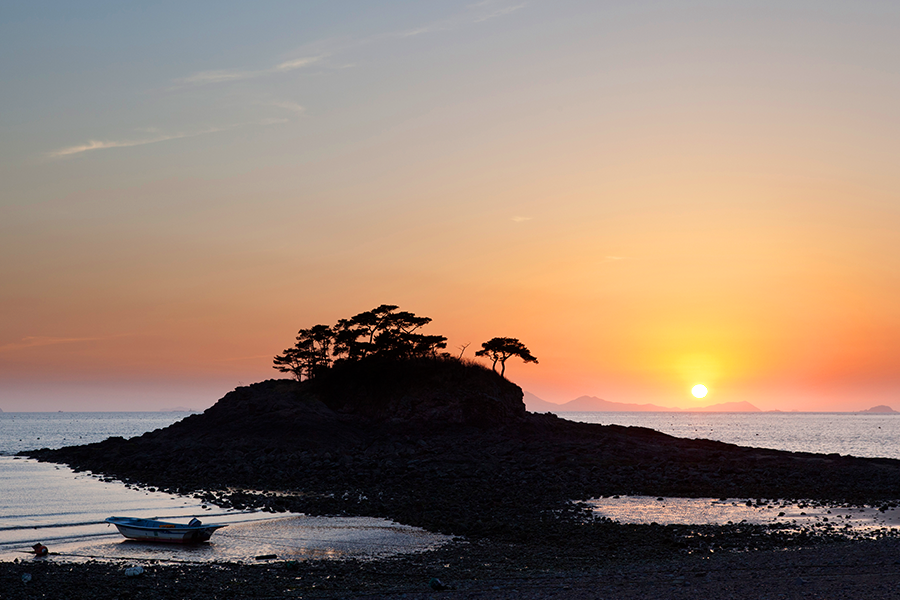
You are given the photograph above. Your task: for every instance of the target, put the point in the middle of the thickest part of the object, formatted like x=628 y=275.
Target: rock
x=437 y=585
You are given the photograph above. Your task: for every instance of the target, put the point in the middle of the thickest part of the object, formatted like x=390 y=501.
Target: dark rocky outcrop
x=448 y=446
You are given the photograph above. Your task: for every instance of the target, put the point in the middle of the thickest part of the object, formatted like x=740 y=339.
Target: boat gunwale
x=160 y=525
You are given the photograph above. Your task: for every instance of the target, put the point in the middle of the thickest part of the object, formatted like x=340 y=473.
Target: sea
x=51 y=504
x=64 y=510
x=870 y=435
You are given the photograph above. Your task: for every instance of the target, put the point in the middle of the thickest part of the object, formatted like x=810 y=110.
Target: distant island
x=880 y=409
x=594 y=404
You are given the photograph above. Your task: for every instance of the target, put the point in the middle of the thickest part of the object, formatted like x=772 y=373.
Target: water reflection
x=48 y=503
x=711 y=511
x=294 y=537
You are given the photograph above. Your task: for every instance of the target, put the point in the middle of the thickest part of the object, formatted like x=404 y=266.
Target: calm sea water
x=47 y=503
x=30 y=431
x=856 y=434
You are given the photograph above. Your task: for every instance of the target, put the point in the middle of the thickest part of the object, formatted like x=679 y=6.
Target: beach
x=484 y=570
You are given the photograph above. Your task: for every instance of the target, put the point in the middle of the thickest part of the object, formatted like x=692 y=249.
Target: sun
x=699 y=391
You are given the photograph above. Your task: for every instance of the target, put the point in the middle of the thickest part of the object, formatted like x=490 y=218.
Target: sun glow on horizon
x=699 y=391
x=662 y=208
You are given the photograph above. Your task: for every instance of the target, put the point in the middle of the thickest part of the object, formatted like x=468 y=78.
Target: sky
x=649 y=195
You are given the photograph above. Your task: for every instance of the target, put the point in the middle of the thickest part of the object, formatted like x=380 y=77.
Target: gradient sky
x=649 y=195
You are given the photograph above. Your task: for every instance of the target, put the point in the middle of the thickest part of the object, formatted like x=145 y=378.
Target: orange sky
x=649 y=197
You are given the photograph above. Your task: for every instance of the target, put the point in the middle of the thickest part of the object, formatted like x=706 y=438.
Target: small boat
x=153 y=530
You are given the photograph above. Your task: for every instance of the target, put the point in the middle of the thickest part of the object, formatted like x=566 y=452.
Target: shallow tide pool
x=64 y=510
x=713 y=511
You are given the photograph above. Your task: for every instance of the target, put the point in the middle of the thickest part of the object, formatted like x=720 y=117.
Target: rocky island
x=449 y=446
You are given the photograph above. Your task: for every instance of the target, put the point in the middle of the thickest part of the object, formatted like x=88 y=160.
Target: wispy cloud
x=36 y=341
x=416 y=31
x=521 y=219
x=217 y=76
x=291 y=106
x=105 y=144
x=490 y=9
x=476 y=13
x=293 y=65
x=226 y=75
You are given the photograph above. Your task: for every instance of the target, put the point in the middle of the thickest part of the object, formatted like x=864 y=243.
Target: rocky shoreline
x=449 y=447
x=484 y=569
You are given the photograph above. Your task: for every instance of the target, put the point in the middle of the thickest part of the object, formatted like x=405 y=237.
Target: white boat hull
x=151 y=530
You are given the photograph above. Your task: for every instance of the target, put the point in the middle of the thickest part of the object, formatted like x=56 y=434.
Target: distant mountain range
x=881 y=408
x=593 y=404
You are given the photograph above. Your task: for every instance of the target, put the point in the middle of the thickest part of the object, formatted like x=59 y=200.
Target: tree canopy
x=383 y=332
x=500 y=349
x=310 y=355
x=387 y=333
